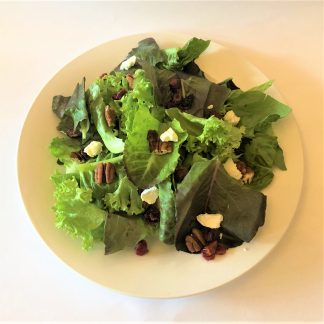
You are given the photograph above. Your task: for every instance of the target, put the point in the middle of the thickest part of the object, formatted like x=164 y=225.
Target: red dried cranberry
x=119 y=94
x=175 y=83
x=241 y=166
x=152 y=214
x=209 y=251
x=141 y=248
x=220 y=249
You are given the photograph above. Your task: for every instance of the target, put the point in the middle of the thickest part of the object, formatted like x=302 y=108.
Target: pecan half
x=164 y=148
x=110 y=116
x=153 y=140
x=198 y=235
x=99 y=173
x=192 y=245
x=119 y=94
x=110 y=172
x=130 y=80
x=79 y=155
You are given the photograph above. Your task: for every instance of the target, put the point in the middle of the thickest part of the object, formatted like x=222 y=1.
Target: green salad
x=153 y=150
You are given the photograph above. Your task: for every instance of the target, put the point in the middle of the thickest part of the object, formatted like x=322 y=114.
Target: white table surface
x=284 y=39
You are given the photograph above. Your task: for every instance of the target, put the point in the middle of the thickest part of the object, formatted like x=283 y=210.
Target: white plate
x=164 y=272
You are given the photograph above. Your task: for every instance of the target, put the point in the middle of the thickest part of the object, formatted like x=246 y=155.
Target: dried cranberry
x=180 y=173
x=73 y=133
x=152 y=214
x=141 y=248
x=220 y=249
x=175 y=84
x=187 y=102
x=209 y=251
x=241 y=166
x=119 y=94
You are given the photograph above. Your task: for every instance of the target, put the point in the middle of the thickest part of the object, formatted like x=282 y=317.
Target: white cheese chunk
x=169 y=136
x=127 y=64
x=150 y=195
x=232 y=170
x=231 y=117
x=210 y=107
x=210 y=220
x=93 y=149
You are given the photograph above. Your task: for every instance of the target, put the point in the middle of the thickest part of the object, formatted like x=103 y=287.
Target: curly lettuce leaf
x=124 y=232
x=208 y=188
x=125 y=198
x=167 y=212
x=145 y=168
x=214 y=137
x=74 y=212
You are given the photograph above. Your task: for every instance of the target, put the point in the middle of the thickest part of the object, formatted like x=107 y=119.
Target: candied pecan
x=198 y=235
x=192 y=245
x=119 y=94
x=209 y=251
x=110 y=172
x=211 y=235
x=99 y=173
x=79 y=155
x=130 y=80
x=153 y=139
x=164 y=148
x=110 y=116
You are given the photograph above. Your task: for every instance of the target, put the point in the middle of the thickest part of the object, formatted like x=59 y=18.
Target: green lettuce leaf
x=176 y=58
x=61 y=148
x=207 y=188
x=256 y=109
x=74 y=212
x=144 y=168
x=97 y=111
x=125 y=198
x=123 y=232
x=167 y=212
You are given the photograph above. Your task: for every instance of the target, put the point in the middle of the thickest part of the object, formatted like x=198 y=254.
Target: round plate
x=164 y=272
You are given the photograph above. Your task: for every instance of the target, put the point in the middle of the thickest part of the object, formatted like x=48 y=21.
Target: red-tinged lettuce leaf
x=207 y=188
x=72 y=111
x=145 y=168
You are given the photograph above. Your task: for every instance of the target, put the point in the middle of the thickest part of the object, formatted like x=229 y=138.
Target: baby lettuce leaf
x=124 y=232
x=144 y=168
x=74 y=212
x=148 y=50
x=256 y=109
x=207 y=188
x=72 y=110
x=125 y=198
x=176 y=59
x=62 y=147
x=263 y=153
x=97 y=111
x=167 y=212
x=205 y=92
